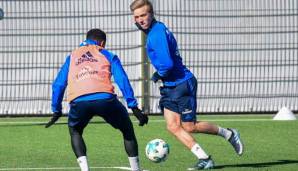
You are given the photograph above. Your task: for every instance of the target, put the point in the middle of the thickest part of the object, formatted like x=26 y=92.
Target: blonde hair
x=140 y=3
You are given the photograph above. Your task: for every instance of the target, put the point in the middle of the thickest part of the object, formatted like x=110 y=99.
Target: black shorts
x=111 y=110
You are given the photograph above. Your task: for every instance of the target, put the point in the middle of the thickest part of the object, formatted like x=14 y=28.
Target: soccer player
x=178 y=93
x=87 y=75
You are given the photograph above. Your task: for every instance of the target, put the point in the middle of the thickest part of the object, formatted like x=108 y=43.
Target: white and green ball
x=157 y=150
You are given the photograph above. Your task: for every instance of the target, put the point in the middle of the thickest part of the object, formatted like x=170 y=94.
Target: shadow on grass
x=258 y=165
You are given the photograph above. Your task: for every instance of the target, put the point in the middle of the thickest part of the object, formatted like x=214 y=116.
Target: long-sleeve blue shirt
x=163 y=53
x=117 y=71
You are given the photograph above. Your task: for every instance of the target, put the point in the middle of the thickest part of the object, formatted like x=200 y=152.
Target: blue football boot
x=204 y=164
x=236 y=141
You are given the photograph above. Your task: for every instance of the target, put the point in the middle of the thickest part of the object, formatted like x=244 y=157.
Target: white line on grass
x=153 y=120
x=23 y=122
x=224 y=120
x=64 y=168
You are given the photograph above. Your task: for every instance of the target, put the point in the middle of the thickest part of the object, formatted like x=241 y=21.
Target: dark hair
x=97 y=35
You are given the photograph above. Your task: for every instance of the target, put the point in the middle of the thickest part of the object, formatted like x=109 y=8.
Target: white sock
x=83 y=163
x=199 y=152
x=134 y=163
x=224 y=133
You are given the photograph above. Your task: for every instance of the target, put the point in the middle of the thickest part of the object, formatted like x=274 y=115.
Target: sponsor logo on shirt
x=85 y=72
x=86 y=57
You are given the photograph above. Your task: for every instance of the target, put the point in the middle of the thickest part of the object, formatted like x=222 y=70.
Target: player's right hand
x=55 y=117
x=139 y=114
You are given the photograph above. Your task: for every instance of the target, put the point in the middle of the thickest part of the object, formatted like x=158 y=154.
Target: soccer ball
x=157 y=150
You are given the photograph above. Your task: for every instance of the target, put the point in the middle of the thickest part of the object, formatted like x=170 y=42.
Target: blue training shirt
x=117 y=71
x=163 y=52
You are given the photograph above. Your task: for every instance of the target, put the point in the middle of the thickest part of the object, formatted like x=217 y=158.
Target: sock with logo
x=199 y=152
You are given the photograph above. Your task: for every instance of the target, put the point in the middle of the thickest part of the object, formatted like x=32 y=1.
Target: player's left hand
x=54 y=119
x=155 y=77
x=143 y=118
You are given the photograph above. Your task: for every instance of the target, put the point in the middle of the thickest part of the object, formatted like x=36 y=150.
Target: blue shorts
x=111 y=110
x=181 y=99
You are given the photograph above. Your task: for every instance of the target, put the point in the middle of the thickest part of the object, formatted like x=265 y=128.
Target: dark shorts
x=181 y=99
x=111 y=110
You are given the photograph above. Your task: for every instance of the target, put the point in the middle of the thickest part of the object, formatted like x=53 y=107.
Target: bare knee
x=189 y=127
x=173 y=128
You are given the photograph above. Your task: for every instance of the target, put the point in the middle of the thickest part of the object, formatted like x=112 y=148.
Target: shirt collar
x=88 y=42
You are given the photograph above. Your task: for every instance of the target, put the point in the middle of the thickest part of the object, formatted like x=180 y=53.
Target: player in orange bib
x=87 y=74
